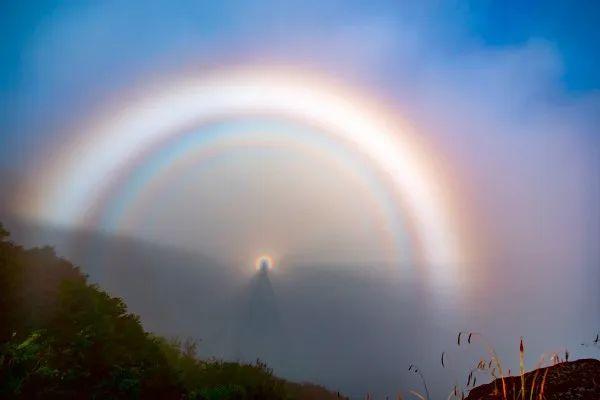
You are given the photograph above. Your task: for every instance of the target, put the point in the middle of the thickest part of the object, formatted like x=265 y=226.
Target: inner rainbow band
x=73 y=184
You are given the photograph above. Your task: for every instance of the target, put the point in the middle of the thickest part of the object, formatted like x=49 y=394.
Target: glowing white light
x=264 y=263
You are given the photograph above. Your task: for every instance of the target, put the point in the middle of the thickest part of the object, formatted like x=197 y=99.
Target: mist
x=345 y=306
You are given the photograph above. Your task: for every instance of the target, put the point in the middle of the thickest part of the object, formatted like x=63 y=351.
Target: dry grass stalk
x=419 y=395
x=541 y=396
x=522 y=367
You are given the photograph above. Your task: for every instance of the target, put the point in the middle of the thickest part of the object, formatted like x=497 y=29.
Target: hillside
x=61 y=337
x=567 y=380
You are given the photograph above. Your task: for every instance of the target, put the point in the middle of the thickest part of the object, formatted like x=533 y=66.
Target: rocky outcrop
x=567 y=380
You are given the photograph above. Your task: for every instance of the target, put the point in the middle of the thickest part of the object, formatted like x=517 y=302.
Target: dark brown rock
x=568 y=380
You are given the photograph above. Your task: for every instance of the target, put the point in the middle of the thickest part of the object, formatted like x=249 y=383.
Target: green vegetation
x=61 y=337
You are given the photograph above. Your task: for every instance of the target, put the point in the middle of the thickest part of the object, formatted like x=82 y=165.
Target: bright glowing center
x=264 y=263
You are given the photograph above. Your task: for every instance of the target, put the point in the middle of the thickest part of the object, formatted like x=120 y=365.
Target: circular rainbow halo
x=264 y=263
x=100 y=176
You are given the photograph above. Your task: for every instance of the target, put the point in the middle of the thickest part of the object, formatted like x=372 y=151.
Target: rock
x=568 y=380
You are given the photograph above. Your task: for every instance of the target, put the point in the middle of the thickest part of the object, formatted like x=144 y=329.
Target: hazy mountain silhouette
x=309 y=322
x=62 y=337
x=170 y=288
x=349 y=327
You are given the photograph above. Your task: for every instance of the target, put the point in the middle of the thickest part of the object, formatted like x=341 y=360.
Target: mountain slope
x=567 y=380
x=61 y=337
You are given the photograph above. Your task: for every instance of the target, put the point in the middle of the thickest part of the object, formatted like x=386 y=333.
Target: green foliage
x=3 y=233
x=61 y=337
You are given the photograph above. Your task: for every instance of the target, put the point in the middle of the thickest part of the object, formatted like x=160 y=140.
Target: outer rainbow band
x=69 y=187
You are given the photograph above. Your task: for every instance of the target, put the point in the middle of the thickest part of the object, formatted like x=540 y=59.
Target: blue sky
x=461 y=72
x=145 y=30
x=569 y=26
x=506 y=88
